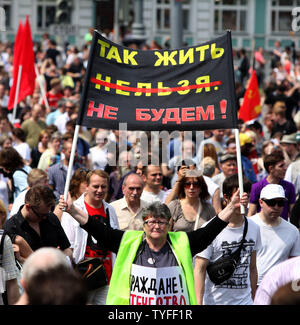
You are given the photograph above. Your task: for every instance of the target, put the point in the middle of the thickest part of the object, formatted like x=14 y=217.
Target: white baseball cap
x=272 y=191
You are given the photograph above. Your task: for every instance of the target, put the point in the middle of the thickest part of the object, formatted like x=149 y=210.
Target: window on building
x=281 y=18
x=230 y=14
x=163 y=14
x=6 y=5
x=46 y=10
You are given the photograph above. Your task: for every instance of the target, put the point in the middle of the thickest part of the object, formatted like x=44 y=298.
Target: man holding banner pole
x=154 y=266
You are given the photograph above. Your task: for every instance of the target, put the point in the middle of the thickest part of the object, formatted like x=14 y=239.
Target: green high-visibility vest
x=119 y=288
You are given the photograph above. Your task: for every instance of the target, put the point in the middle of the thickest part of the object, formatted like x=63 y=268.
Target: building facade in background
x=261 y=20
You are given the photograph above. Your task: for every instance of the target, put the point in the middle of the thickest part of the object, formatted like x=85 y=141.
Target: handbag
x=93 y=271
x=223 y=268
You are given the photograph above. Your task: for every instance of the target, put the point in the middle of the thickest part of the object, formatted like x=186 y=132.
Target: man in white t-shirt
x=152 y=192
x=240 y=288
x=280 y=239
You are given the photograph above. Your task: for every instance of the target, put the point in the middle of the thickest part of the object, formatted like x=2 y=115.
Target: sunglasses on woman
x=188 y=184
x=273 y=202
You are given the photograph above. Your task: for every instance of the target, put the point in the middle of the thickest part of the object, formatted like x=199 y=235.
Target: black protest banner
x=190 y=88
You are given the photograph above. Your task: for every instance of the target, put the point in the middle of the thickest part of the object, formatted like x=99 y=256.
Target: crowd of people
x=150 y=223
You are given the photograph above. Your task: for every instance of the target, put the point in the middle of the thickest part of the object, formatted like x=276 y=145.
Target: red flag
x=23 y=56
x=251 y=107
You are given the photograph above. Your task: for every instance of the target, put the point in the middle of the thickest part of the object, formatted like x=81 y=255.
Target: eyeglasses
x=195 y=184
x=151 y=223
x=273 y=202
x=40 y=215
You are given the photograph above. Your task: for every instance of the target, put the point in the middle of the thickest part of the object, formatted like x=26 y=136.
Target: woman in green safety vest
x=154 y=266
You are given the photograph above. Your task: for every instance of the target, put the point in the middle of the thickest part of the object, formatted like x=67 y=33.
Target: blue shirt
x=57 y=177
x=20 y=180
x=51 y=117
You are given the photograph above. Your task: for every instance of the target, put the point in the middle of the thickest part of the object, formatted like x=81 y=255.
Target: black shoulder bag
x=223 y=268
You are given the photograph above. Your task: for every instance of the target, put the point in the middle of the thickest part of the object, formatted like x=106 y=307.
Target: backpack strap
x=22 y=170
